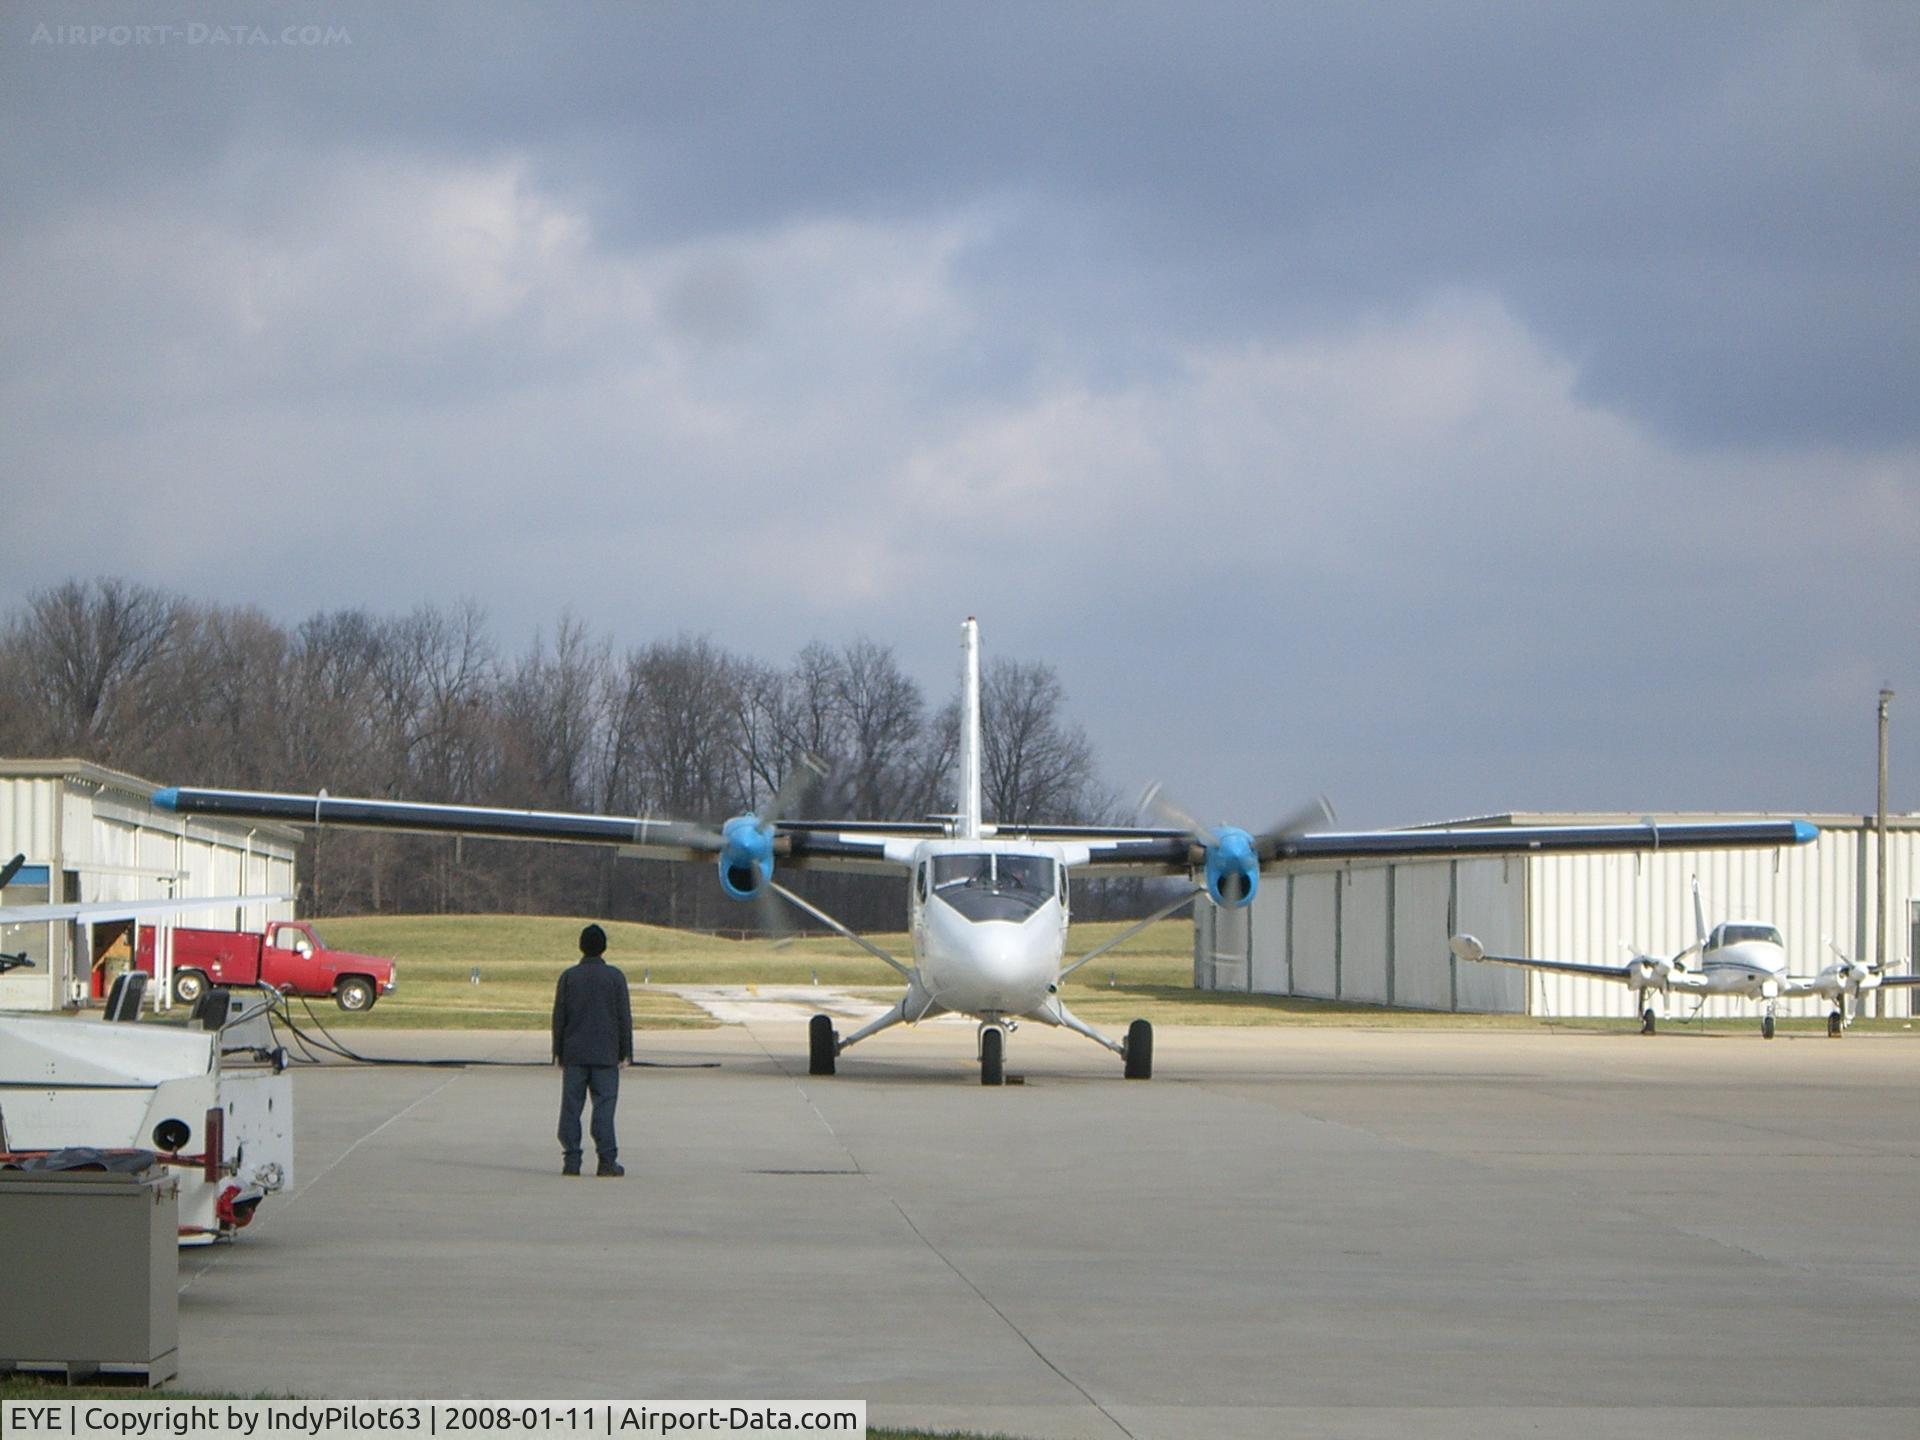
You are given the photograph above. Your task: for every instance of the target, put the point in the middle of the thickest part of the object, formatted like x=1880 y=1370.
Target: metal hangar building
x=1376 y=932
x=89 y=834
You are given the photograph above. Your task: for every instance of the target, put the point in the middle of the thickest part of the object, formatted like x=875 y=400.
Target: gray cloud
x=1457 y=409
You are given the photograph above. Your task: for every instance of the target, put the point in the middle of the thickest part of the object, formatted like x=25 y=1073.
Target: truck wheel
x=354 y=993
x=189 y=986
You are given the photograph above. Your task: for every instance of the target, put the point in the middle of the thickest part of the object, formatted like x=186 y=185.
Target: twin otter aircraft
x=987 y=904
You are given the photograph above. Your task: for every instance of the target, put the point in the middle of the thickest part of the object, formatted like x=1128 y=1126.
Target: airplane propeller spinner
x=1231 y=857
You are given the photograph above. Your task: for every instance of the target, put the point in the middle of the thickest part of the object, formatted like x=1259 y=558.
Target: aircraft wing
x=820 y=844
x=126 y=909
x=1468 y=948
x=883 y=846
x=1163 y=851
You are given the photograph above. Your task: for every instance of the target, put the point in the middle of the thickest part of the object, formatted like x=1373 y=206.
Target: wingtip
x=1805 y=832
x=1467 y=948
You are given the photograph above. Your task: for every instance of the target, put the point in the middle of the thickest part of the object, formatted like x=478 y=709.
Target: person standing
x=592 y=1039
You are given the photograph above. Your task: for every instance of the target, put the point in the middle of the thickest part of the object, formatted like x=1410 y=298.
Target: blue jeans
x=575 y=1082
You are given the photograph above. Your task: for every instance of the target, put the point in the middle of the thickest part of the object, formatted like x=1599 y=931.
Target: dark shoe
x=612 y=1168
x=571 y=1167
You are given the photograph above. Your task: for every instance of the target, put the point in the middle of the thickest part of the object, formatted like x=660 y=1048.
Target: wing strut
x=825 y=919
x=1134 y=929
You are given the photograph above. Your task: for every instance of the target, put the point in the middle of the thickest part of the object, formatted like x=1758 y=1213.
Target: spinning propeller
x=1651 y=971
x=746 y=841
x=1232 y=857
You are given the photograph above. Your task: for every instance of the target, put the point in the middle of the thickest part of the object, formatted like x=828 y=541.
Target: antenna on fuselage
x=971 y=822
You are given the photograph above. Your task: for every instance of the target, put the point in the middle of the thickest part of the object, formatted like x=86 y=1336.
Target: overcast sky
x=1454 y=408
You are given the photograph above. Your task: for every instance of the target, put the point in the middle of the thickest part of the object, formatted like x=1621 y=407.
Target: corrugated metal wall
x=1377 y=933
x=1316 y=934
x=1422 y=964
x=1365 y=924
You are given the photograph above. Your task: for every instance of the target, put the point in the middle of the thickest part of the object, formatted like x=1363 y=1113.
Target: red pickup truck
x=291 y=957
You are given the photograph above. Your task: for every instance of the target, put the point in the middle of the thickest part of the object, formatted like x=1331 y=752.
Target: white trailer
x=212 y=1103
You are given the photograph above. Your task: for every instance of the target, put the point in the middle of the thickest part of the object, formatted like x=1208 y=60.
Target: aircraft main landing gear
x=823 y=1045
x=1138 y=1051
x=1646 y=1021
x=1836 y=1022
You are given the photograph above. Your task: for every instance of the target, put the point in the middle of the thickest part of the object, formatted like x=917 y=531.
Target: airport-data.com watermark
x=195 y=34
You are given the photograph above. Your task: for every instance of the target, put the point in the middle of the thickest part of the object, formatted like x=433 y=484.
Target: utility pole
x=1880 y=869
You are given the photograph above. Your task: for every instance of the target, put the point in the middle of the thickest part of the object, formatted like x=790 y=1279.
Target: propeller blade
x=13 y=869
x=1316 y=814
x=772 y=919
x=1154 y=801
x=806 y=772
x=1847 y=960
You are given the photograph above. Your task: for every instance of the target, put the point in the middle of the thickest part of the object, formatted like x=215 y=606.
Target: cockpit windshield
x=1745 y=934
x=992 y=886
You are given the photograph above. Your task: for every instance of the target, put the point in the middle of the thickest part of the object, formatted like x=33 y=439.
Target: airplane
x=987 y=903
x=1743 y=958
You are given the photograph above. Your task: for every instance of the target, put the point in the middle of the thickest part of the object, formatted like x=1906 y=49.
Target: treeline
x=426 y=706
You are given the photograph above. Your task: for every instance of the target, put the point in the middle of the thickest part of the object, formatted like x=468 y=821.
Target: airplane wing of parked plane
x=126 y=909
x=90 y=911
x=1642 y=970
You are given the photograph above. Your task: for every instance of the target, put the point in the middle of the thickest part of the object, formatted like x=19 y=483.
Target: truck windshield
x=993 y=886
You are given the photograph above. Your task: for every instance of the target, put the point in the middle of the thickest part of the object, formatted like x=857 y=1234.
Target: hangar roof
x=131 y=787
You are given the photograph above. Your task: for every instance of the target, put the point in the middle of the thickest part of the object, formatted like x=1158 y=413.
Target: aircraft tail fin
x=971 y=822
x=1699 y=918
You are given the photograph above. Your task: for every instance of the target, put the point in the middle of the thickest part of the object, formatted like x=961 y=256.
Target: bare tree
x=84 y=647
x=883 y=713
x=1037 y=765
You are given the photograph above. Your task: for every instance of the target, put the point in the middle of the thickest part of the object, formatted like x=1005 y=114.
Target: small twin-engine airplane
x=987 y=904
x=1742 y=958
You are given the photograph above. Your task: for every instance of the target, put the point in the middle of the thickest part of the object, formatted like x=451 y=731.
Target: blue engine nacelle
x=1233 y=868
x=746 y=856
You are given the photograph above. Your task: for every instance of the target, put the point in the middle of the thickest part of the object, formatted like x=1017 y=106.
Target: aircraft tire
x=1834 y=1024
x=1139 y=1051
x=822 y=1045
x=993 y=1055
x=1766 y=1027
x=1646 y=1021
x=188 y=986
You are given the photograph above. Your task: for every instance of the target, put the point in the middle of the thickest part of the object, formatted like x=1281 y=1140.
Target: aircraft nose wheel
x=1766 y=1026
x=1138 y=1051
x=823 y=1044
x=993 y=1055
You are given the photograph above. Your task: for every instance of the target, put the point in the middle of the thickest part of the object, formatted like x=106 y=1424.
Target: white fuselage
x=1751 y=968
x=989 y=925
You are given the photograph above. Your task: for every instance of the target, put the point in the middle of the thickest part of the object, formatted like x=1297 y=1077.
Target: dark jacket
x=592 y=1016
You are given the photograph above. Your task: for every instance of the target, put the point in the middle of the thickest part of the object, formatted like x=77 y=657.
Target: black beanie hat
x=593 y=941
